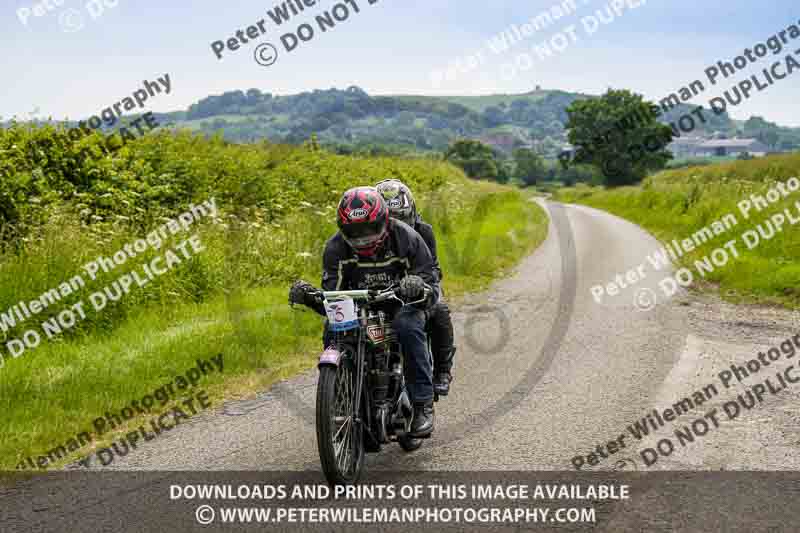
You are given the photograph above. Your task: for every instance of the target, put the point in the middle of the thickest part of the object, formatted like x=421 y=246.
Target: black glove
x=411 y=288
x=301 y=293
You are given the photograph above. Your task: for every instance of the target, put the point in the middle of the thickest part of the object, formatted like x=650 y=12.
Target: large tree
x=528 y=166
x=477 y=159
x=620 y=134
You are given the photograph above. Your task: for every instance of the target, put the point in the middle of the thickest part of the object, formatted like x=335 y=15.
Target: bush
x=64 y=203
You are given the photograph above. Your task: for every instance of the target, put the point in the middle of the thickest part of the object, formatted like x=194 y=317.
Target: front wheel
x=339 y=438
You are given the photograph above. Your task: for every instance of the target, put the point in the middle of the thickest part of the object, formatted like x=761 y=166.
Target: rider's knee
x=402 y=325
x=440 y=313
x=406 y=324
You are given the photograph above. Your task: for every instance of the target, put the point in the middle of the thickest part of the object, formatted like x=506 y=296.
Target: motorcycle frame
x=365 y=400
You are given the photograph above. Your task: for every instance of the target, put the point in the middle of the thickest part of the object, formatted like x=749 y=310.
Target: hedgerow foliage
x=64 y=202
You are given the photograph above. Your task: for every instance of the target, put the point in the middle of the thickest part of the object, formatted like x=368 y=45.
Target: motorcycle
x=362 y=400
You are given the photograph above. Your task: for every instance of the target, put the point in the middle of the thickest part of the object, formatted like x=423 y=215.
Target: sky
x=73 y=58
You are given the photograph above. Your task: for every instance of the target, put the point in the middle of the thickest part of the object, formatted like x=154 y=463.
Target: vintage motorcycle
x=362 y=401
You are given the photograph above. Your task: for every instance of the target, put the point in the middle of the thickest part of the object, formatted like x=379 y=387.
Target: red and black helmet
x=363 y=219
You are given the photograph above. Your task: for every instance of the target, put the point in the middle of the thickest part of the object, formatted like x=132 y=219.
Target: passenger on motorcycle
x=402 y=207
x=373 y=251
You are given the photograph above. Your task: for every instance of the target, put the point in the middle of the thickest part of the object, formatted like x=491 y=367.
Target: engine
x=385 y=373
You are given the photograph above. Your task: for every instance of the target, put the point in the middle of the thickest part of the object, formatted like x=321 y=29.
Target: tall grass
x=276 y=212
x=676 y=203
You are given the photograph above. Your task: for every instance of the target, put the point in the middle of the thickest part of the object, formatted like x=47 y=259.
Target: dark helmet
x=363 y=219
x=399 y=199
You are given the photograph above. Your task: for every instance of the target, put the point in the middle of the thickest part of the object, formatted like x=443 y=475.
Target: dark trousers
x=442 y=337
x=409 y=326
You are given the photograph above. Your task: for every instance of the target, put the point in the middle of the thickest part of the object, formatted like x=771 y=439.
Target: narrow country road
x=544 y=373
x=545 y=376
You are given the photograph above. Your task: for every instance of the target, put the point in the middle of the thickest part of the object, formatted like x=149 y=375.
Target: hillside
x=480 y=103
x=408 y=123
x=351 y=120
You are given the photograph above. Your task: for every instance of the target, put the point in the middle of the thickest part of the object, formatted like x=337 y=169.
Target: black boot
x=441 y=382
x=442 y=376
x=422 y=424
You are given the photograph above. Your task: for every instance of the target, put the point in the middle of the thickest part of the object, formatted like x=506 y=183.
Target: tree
x=620 y=134
x=494 y=116
x=771 y=139
x=405 y=118
x=253 y=96
x=755 y=125
x=528 y=166
x=320 y=123
x=577 y=174
x=456 y=110
x=505 y=170
x=312 y=144
x=475 y=158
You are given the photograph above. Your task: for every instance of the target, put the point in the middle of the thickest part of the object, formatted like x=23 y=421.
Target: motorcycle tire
x=345 y=467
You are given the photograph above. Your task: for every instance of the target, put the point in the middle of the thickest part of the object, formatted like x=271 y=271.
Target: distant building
x=688 y=147
x=732 y=147
x=685 y=147
x=567 y=152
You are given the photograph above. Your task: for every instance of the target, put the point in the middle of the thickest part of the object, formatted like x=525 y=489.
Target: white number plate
x=342 y=315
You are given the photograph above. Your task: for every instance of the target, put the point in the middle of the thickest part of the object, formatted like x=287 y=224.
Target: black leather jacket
x=403 y=253
x=426 y=232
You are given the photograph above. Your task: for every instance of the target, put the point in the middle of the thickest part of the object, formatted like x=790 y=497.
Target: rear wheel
x=339 y=438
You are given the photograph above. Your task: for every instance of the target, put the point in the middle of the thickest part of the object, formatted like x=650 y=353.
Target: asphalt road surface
x=545 y=373
x=546 y=378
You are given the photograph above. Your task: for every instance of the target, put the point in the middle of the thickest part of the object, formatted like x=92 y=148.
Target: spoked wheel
x=339 y=437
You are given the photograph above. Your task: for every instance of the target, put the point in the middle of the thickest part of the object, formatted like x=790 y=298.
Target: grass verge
x=54 y=392
x=678 y=203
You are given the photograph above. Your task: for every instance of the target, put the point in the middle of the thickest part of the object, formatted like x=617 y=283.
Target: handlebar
x=371 y=296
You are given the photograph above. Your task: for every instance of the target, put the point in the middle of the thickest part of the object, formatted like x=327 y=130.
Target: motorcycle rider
x=373 y=251
x=403 y=207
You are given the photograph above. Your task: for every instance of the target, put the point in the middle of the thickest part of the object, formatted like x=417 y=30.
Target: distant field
x=479 y=103
x=698 y=161
x=677 y=203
